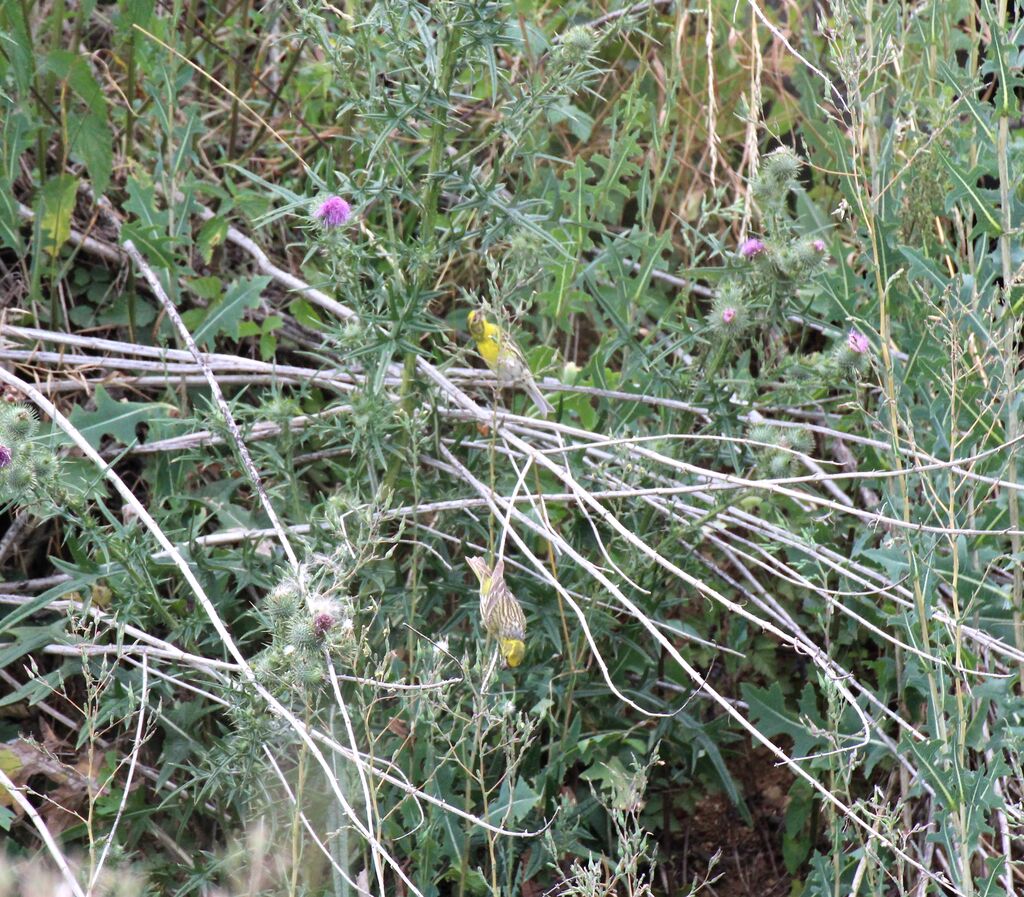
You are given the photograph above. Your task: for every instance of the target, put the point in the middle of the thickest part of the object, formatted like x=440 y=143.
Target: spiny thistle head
x=798 y=439
x=730 y=313
x=17 y=423
x=852 y=355
x=5 y=457
x=779 y=170
x=302 y=634
x=801 y=258
x=281 y=604
x=577 y=44
x=775 y=449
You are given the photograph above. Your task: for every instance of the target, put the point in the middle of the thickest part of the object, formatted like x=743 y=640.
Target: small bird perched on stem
x=500 y=611
x=505 y=358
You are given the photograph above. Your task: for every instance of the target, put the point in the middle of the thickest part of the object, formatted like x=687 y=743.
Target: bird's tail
x=543 y=405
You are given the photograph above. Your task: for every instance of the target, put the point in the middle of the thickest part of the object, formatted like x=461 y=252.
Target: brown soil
x=751 y=863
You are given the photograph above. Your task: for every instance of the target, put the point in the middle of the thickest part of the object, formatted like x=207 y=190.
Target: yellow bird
x=500 y=611
x=504 y=357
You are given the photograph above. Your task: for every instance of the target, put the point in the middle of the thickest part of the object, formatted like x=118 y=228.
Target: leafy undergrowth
x=767 y=544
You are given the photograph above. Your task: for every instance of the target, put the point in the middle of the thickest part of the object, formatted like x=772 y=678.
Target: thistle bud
x=777 y=176
x=730 y=316
x=302 y=635
x=577 y=44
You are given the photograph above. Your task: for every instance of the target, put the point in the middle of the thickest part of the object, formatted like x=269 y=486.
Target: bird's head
x=483 y=572
x=477 y=323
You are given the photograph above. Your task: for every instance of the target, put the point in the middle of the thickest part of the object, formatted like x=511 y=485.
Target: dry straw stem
x=44 y=833
x=307 y=735
x=516 y=434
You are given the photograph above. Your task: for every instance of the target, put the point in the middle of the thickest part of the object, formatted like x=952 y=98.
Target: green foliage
x=768 y=545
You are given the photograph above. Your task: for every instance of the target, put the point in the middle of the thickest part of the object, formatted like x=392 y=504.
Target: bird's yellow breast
x=488 y=343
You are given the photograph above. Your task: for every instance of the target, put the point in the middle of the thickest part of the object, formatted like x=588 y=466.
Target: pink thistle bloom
x=728 y=314
x=819 y=245
x=857 y=342
x=751 y=247
x=333 y=212
x=5 y=457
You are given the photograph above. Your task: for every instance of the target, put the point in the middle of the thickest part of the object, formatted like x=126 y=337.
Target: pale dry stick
x=225 y=410
x=872 y=517
x=802 y=643
x=161 y=648
x=865 y=575
x=579 y=596
x=841 y=671
x=751 y=154
x=200 y=664
x=305 y=821
x=631 y=538
x=696 y=677
x=370 y=824
x=129 y=497
x=712 y=110
x=780 y=36
x=547 y=576
x=775 y=567
x=137 y=746
x=16 y=795
x=61 y=387
x=535 y=427
x=511 y=455
x=778 y=533
x=782 y=571
x=336 y=379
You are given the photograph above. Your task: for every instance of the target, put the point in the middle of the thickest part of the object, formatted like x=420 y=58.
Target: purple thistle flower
x=751 y=247
x=333 y=212
x=728 y=314
x=819 y=245
x=857 y=342
x=5 y=457
x=322 y=624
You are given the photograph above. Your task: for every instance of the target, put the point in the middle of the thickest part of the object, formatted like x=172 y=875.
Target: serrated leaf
x=73 y=69
x=114 y=418
x=91 y=143
x=54 y=205
x=768 y=711
x=225 y=316
x=512 y=805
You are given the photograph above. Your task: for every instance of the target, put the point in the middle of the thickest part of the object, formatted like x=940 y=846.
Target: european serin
x=500 y=612
x=505 y=358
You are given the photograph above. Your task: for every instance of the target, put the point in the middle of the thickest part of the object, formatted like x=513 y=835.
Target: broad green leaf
x=225 y=316
x=91 y=143
x=73 y=69
x=114 y=418
x=54 y=205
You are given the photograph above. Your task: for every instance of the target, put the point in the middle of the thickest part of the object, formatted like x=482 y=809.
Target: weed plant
x=765 y=262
